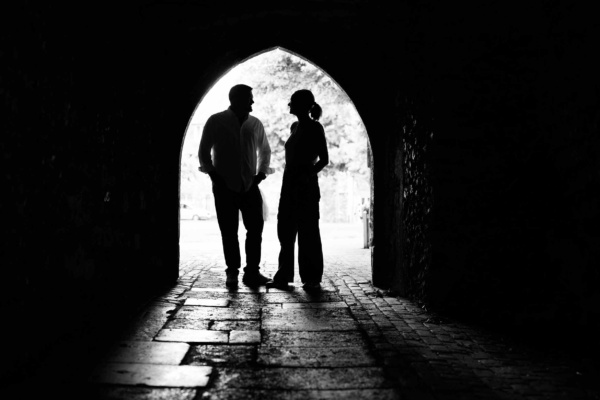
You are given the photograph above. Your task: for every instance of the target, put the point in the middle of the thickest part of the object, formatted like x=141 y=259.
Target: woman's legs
x=310 y=249
x=287 y=228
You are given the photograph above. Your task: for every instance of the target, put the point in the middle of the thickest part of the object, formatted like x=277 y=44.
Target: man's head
x=241 y=99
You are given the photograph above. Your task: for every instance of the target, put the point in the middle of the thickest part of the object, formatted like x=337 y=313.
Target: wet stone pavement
x=349 y=341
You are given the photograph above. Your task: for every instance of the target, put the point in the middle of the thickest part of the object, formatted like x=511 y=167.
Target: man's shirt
x=238 y=152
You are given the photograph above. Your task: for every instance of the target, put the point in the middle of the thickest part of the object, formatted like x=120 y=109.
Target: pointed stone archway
x=345 y=195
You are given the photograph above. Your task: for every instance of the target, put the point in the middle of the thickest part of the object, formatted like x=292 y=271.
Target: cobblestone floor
x=350 y=341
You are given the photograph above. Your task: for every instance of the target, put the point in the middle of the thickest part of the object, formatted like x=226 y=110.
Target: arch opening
x=346 y=184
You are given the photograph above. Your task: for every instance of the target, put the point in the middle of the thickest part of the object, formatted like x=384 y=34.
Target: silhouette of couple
x=235 y=153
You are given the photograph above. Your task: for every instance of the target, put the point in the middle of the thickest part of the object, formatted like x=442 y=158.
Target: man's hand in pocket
x=258 y=178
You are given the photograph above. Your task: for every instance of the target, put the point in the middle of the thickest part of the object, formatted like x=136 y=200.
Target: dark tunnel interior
x=483 y=126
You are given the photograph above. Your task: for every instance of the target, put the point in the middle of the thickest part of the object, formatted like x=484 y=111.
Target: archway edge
x=221 y=68
x=372 y=79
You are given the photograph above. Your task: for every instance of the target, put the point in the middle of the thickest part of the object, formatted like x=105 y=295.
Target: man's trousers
x=229 y=205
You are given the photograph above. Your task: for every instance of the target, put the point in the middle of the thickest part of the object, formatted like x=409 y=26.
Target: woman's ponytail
x=315 y=111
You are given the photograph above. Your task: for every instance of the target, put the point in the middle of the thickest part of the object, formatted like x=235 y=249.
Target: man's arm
x=206 y=144
x=264 y=154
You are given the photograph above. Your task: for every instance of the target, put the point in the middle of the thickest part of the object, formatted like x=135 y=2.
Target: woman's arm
x=322 y=152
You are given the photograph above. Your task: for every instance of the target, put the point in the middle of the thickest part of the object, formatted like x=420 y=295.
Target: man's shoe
x=255 y=279
x=231 y=281
x=279 y=285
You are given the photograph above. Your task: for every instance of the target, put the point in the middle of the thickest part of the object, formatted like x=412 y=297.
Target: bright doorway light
x=274 y=76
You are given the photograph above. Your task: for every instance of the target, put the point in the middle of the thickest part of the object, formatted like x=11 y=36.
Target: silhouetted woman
x=298 y=215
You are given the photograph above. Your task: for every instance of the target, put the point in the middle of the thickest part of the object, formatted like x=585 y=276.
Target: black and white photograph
x=294 y=200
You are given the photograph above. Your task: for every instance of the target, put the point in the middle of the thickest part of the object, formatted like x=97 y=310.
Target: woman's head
x=303 y=102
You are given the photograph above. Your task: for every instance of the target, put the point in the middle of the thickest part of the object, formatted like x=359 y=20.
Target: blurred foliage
x=274 y=76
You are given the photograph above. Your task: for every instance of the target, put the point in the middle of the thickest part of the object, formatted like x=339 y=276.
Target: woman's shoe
x=255 y=279
x=312 y=286
x=278 y=285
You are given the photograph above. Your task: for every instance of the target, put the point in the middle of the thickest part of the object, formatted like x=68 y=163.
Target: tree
x=274 y=76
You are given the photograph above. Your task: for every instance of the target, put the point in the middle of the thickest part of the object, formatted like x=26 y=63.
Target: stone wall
x=99 y=97
x=483 y=126
x=515 y=173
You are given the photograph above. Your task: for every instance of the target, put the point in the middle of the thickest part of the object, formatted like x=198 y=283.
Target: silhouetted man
x=240 y=161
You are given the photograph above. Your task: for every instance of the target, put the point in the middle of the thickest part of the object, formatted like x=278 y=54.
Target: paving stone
x=244 y=337
x=361 y=315
x=248 y=289
x=211 y=289
x=206 y=302
x=192 y=336
x=243 y=303
x=240 y=289
x=292 y=288
x=152 y=375
x=302 y=378
x=253 y=394
x=396 y=338
x=299 y=296
x=148 y=352
x=274 y=306
x=392 y=300
x=441 y=349
x=235 y=299
x=252 y=325
x=315 y=356
x=219 y=313
x=392 y=360
x=147 y=325
x=211 y=280
x=142 y=393
x=333 y=304
x=221 y=354
x=309 y=319
x=313 y=339
x=430 y=340
x=189 y=323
